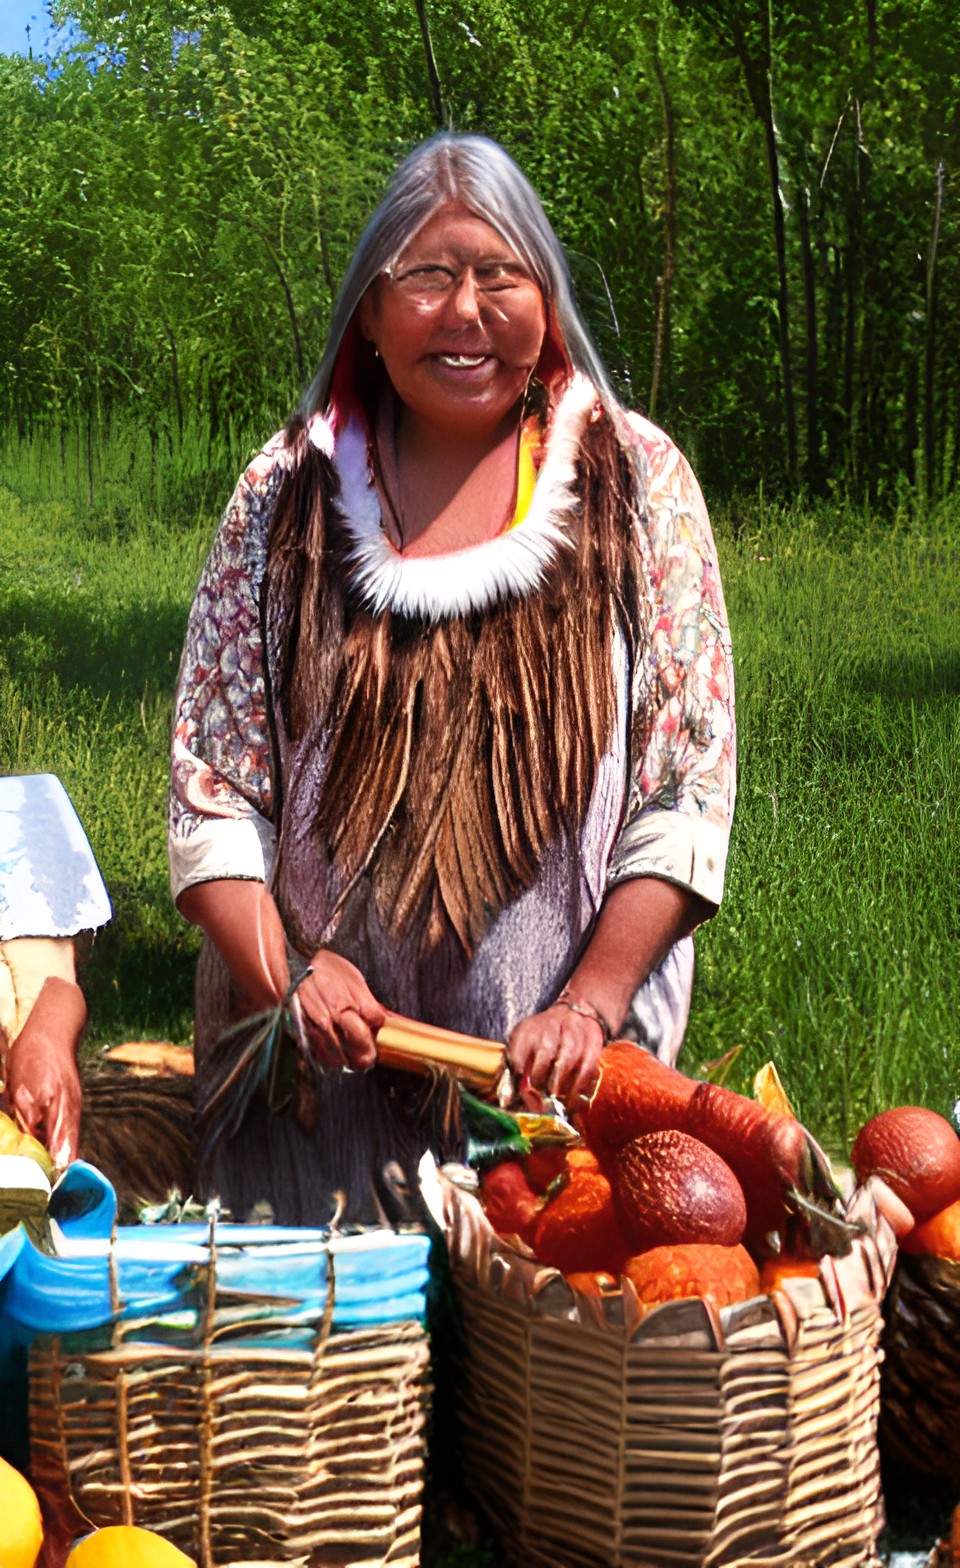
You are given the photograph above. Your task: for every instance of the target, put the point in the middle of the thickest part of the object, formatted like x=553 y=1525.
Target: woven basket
x=251 y=1434
x=597 y=1436
x=920 y=1391
x=137 y=1128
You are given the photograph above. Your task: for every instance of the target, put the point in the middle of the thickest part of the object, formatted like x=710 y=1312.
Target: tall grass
x=837 y=950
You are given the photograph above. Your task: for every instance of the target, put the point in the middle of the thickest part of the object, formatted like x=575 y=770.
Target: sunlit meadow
x=836 y=952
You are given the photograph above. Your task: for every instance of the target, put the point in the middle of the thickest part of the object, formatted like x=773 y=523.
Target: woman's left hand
x=557 y=1052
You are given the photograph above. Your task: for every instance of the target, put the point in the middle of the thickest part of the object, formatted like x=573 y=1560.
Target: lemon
x=126 y=1546
x=9 y=1134
x=22 y=1531
x=13 y=1141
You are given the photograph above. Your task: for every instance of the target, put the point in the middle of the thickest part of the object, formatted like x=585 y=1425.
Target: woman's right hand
x=339 y=1013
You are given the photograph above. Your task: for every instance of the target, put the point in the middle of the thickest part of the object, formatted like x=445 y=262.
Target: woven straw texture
x=920 y=1404
x=137 y=1129
x=234 y=1450
x=597 y=1436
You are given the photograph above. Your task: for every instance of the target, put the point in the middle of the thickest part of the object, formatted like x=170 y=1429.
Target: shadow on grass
x=139 y=982
x=103 y=651
x=909 y=676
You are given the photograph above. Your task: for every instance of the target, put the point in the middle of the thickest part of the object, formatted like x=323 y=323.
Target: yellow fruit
x=9 y=1134
x=13 y=1141
x=21 y=1532
x=127 y=1546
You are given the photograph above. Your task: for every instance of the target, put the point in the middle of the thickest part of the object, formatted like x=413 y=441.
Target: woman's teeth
x=461 y=361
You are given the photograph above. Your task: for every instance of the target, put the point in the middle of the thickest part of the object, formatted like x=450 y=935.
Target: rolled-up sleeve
x=683 y=763
x=221 y=795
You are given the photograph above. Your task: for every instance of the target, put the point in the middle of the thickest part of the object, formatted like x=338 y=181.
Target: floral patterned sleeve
x=220 y=822
x=683 y=773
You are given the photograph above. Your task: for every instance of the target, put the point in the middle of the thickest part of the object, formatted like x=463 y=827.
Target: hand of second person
x=42 y=1081
x=557 y=1052
x=340 y=1014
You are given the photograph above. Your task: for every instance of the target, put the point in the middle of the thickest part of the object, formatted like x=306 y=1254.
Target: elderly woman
x=454 y=725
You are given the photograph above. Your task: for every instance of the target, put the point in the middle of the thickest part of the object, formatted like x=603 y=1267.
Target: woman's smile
x=463 y=361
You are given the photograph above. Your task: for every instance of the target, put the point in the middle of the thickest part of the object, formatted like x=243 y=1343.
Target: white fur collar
x=513 y=564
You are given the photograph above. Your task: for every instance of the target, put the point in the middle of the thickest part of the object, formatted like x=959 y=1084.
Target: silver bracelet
x=586 y=1009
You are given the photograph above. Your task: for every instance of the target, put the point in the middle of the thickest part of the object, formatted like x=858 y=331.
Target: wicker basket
x=242 y=1431
x=595 y=1436
x=920 y=1391
x=137 y=1126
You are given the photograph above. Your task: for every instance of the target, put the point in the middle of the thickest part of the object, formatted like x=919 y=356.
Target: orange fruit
x=597 y=1283
x=542 y=1167
x=509 y=1202
x=577 y=1231
x=127 y=1546
x=937 y=1237
x=767 y=1153
x=21 y=1530
x=775 y=1270
x=720 y=1275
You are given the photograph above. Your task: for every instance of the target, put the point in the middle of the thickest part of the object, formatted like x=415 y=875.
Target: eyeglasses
x=430 y=283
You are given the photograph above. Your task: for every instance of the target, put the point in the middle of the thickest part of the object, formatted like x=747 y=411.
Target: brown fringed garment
x=460 y=749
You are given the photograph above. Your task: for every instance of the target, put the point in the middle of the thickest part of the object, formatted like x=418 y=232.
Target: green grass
x=90 y=633
x=837 y=950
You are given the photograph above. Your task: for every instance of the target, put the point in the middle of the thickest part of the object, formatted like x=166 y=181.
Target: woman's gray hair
x=478 y=172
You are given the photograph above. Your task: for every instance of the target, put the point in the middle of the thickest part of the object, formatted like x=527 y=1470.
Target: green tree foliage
x=760 y=204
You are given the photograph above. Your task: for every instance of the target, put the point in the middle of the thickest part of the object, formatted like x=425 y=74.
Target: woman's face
x=458 y=323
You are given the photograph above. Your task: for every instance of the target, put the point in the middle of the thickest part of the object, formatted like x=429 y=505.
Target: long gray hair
x=478 y=172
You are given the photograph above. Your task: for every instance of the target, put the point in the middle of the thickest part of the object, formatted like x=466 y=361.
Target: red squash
x=916 y=1152
x=767 y=1152
x=635 y=1094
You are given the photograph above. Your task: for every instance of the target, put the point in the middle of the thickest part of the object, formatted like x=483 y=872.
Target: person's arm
x=221 y=837
x=666 y=871
x=639 y=921
x=339 y=1012
x=41 y=1079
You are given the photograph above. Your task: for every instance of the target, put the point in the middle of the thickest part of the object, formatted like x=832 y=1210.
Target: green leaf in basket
x=492 y=1134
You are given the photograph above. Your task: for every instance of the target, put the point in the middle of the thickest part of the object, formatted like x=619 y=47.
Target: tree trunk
x=871 y=9
x=783 y=292
x=759 y=84
x=433 y=74
x=661 y=340
x=292 y=313
x=810 y=303
x=930 y=349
